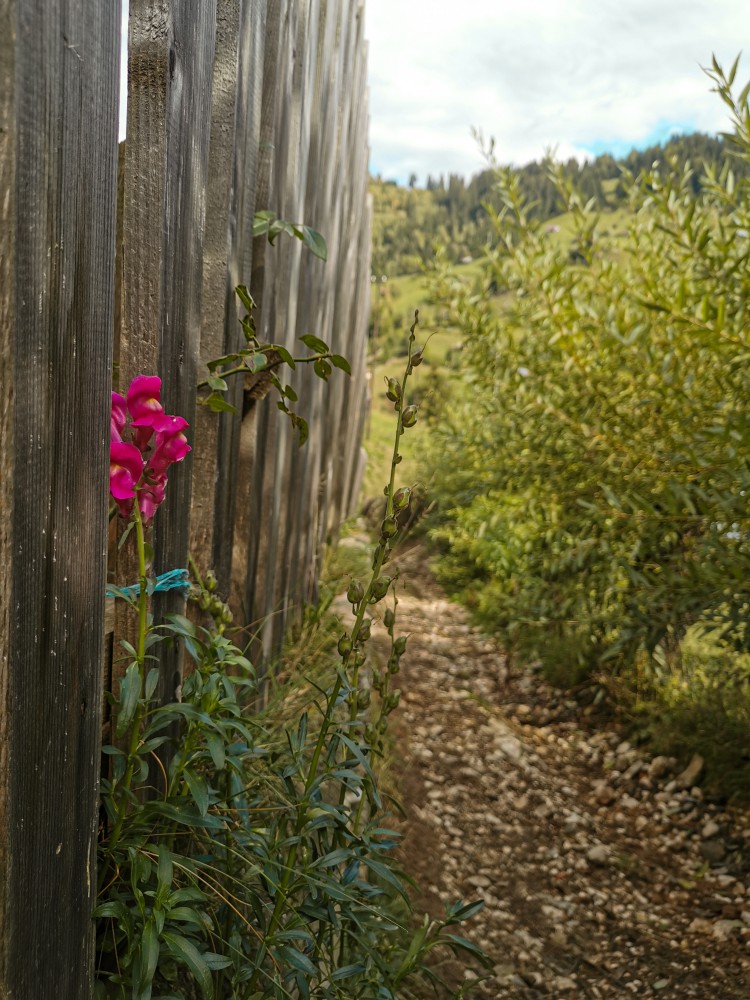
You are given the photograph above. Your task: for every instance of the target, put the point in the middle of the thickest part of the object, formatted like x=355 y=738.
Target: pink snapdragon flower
x=139 y=467
x=119 y=416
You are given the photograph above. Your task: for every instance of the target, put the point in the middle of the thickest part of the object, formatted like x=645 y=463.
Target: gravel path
x=604 y=873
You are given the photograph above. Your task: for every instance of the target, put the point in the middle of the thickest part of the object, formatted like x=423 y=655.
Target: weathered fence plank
x=291 y=168
x=258 y=431
x=205 y=432
x=229 y=484
x=191 y=40
x=62 y=264
x=166 y=160
x=7 y=323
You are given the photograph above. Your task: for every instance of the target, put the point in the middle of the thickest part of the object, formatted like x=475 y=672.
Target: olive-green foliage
x=592 y=467
x=408 y=222
x=700 y=702
x=246 y=854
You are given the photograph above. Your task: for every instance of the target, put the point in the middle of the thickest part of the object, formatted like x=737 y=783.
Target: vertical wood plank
x=191 y=41
x=140 y=241
x=257 y=429
x=232 y=480
x=171 y=53
x=67 y=54
x=324 y=86
x=8 y=16
x=214 y=303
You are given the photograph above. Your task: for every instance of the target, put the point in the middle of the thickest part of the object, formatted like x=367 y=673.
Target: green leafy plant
x=247 y=855
x=264 y=360
x=265 y=223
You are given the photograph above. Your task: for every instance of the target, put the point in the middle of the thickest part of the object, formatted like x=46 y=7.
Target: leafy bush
x=592 y=469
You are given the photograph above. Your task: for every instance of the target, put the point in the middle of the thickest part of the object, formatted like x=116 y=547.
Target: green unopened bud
x=345 y=645
x=401 y=498
x=389 y=618
x=363 y=699
x=226 y=616
x=399 y=646
x=391 y=702
x=211 y=582
x=416 y=359
x=393 y=391
x=409 y=416
x=389 y=527
x=355 y=592
x=364 y=630
x=359 y=658
x=205 y=602
x=393 y=664
x=380 y=589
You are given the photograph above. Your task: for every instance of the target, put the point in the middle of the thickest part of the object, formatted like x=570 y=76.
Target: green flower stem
x=282 y=893
x=135 y=731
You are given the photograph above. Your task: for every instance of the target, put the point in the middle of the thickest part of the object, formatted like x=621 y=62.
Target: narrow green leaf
x=216 y=748
x=149 y=957
x=218 y=404
x=285 y=355
x=304 y=430
x=216 y=962
x=346 y=971
x=186 y=952
x=130 y=693
x=290 y=956
x=198 y=789
x=314 y=343
x=463 y=944
x=164 y=868
x=152 y=679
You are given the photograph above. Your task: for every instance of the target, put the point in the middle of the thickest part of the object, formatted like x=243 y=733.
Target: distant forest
x=408 y=221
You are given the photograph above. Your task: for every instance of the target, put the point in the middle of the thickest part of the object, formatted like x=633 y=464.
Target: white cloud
x=575 y=74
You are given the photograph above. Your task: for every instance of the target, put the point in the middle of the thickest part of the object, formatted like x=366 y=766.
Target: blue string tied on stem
x=174 y=579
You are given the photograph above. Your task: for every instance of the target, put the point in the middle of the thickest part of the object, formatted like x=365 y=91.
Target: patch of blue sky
x=661 y=133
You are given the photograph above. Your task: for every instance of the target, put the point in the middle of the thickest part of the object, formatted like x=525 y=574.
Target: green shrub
x=591 y=469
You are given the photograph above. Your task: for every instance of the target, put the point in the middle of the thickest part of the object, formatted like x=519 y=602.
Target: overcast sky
x=582 y=75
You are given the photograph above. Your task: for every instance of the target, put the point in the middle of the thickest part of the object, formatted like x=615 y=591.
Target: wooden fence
x=233 y=106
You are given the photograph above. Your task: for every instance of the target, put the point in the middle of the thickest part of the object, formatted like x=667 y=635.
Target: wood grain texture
x=258 y=431
x=215 y=293
x=66 y=157
x=140 y=242
x=8 y=15
x=232 y=477
x=191 y=49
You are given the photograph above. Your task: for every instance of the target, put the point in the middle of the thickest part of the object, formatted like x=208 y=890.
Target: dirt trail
x=601 y=876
